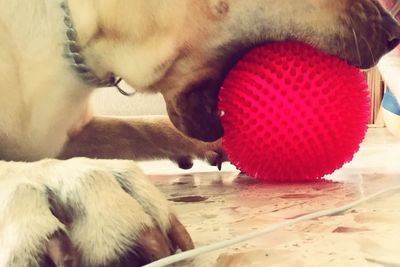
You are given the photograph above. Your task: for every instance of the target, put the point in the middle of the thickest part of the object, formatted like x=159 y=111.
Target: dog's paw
x=30 y=235
x=88 y=213
x=211 y=152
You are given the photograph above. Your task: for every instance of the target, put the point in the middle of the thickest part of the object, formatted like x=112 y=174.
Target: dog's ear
x=194 y=110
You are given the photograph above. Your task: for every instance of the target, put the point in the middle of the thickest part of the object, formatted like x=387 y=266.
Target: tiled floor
x=220 y=205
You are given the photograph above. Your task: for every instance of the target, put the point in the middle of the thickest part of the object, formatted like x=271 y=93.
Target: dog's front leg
x=140 y=138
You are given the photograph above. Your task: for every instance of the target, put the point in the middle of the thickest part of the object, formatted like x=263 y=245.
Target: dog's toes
x=185 y=163
x=215 y=159
x=150 y=246
x=153 y=246
x=60 y=250
x=214 y=153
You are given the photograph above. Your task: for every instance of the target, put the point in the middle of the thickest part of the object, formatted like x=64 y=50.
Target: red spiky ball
x=293 y=113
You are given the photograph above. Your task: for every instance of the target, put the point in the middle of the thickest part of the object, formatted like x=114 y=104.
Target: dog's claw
x=219 y=166
x=215 y=158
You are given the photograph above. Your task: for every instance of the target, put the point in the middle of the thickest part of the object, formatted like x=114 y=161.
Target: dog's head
x=201 y=41
x=359 y=31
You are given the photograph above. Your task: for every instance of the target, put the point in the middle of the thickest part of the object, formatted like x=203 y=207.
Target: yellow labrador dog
x=54 y=53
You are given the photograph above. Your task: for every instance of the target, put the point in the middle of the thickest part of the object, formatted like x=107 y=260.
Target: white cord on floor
x=260 y=232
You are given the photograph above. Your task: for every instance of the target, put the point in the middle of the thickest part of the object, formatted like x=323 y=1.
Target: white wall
x=108 y=101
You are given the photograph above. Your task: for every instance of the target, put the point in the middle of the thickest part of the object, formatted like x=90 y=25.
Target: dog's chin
x=211 y=132
x=204 y=128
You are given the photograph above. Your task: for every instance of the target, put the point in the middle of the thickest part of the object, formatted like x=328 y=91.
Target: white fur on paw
x=110 y=203
x=26 y=222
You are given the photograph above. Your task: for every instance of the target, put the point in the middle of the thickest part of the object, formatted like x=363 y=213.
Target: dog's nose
x=392 y=29
x=393 y=43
